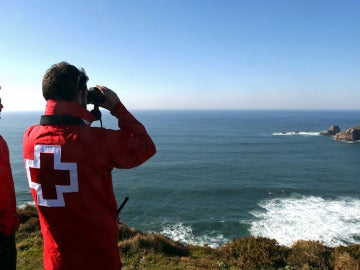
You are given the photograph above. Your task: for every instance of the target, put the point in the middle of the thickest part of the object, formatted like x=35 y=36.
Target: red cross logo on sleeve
x=50 y=177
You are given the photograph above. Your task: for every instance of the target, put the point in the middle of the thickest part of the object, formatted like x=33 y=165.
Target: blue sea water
x=218 y=175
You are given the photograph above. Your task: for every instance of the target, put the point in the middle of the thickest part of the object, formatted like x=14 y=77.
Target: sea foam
x=184 y=234
x=333 y=222
x=297 y=133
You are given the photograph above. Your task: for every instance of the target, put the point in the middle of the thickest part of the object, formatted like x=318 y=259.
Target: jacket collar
x=57 y=107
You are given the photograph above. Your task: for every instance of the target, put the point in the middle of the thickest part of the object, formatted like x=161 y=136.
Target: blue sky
x=188 y=54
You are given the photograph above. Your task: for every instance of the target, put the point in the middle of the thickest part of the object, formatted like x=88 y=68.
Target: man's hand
x=111 y=98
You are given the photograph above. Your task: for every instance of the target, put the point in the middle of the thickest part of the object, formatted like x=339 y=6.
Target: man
x=9 y=219
x=69 y=166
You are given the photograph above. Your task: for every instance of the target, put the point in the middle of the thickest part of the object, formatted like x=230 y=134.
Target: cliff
x=145 y=251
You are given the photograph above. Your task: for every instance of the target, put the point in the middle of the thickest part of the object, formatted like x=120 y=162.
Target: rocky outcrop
x=351 y=134
x=331 y=131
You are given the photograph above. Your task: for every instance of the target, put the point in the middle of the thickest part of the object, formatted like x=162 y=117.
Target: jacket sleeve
x=131 y=145
x=5 y=174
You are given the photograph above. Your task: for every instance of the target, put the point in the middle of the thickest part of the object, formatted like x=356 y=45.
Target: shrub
x=27 y=212
x=153 y=242
x=126 y=233
x=31 y=225
x=254 y=253
x=347 y=257
x=352 y=250
x=310 y=254
x=344 y=261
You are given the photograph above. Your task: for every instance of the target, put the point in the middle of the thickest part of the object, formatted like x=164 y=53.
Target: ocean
x=219 y=175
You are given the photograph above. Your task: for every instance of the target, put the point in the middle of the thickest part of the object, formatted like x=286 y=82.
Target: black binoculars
x=95 y=96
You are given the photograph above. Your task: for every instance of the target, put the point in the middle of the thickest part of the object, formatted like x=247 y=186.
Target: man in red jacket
x=69 y=164
x=9 y=219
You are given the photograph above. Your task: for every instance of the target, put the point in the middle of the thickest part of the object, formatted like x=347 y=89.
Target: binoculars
x=95 y=96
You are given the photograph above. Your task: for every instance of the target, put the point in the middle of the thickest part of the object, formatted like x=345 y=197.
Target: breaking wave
x=184 y=234
x=297 y=133
x=333 y=222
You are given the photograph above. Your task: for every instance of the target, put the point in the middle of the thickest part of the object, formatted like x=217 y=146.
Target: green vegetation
x=145 y=251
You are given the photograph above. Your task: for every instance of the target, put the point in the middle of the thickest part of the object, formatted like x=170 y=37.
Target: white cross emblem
x=57 y=166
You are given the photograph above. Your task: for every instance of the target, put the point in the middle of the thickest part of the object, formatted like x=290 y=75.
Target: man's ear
x=81 y=98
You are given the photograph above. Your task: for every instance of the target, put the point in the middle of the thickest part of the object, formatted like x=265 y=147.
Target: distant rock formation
x=351 y=134
x=333 y=130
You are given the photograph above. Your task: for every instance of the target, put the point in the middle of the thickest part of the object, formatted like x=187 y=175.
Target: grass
x=152 y=251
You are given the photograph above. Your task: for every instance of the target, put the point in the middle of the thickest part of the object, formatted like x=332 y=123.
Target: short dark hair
x=63 y=81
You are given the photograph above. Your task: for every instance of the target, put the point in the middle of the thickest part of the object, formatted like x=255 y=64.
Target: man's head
x=63 y=81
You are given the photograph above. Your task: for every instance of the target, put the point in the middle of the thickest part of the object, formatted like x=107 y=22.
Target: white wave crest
x=287 y=220
x=184 y=234
x=297 y=133
x=21 y=206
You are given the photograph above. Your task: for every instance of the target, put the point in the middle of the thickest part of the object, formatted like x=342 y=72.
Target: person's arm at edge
x=126 y=121
x=4 y=185
x=145 y=147
x=138 y=145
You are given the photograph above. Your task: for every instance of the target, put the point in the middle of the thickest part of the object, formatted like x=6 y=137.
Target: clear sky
x=188 y=54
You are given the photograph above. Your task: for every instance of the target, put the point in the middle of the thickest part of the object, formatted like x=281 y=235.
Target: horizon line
x=211 y=109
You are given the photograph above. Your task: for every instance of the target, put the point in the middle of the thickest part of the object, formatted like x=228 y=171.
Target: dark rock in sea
x=331 y=131
x=351 y=134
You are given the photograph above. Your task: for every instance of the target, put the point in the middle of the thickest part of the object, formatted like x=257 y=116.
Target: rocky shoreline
x=351 y=134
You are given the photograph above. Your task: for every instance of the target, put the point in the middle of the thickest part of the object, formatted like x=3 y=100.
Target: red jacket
x=9 y=219
x=69 y=172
